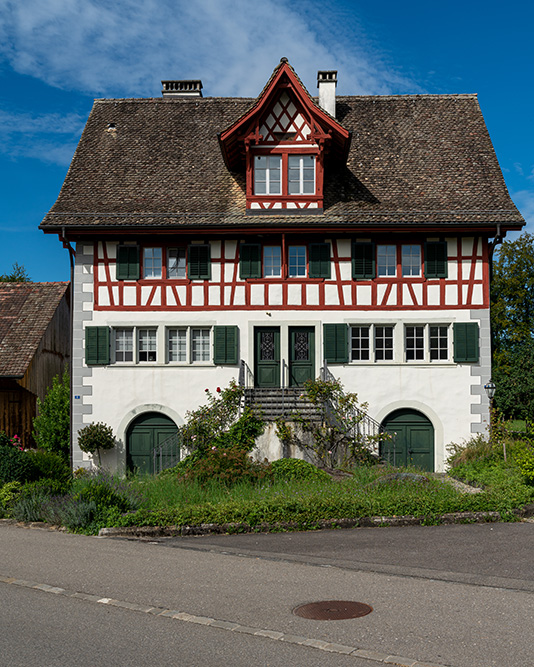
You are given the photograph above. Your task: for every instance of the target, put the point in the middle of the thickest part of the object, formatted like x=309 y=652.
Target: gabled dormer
x=282 y=143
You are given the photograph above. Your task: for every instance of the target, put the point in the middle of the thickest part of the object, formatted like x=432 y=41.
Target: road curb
x=361 y=522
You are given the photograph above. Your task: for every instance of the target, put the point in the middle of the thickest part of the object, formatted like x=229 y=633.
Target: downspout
x=72 y=256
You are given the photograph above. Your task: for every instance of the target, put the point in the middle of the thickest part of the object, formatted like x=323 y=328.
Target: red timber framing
x=284 y=121
x=466 y=287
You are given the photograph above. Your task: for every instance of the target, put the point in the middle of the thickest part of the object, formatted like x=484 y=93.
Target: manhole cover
x=332 y=610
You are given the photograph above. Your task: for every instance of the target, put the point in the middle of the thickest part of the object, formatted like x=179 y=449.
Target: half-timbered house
x=280 y=235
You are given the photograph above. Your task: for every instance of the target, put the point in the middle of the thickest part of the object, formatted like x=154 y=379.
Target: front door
x=413 y=440
x=301 y=355
x=267 y=357
x=144 y=434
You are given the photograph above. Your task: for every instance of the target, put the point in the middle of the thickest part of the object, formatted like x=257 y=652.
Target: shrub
x=107 y=491
x=4 y=440
x=15 y=465
x=8 y=495
x=94 y=437
x=297 y=469
x=49 y=466
x=242 y=435
x=29 y=506
x=227 y=466
x=524 y=458
x=52 y=425
x=477 y=448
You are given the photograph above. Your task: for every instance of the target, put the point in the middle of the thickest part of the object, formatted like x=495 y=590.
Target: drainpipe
x=72 y=256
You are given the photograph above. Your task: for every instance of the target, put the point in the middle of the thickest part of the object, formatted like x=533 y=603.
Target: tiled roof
x=25 y=312
x=143 y=163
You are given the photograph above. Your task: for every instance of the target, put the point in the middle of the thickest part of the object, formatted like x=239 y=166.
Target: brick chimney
x=327 y=82
x=190 y=88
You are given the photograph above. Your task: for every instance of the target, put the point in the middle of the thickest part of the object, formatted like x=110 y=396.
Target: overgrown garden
x=219 y=482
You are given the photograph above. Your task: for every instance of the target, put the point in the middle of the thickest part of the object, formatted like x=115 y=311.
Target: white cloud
x=126 y=47
x=50 y=138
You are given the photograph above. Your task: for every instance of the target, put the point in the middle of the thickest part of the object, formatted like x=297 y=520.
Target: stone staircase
x=275 y=403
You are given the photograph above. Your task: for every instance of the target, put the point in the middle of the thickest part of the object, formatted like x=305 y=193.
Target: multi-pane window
x=176 y=263
x=124 y=348
x=360 y=343
x=383 y=343
x=147 y=345
x=272 y=261
x=301 y=175
x=386 y=260
x=411 y=260
x=297 y=261
x=414 y=342
x=200 y=345
x=151 y=262
x=268 y=175
x=439 y=342
x=177 y=345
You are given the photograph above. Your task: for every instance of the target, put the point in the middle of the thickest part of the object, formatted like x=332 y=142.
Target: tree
x=512 y=319
x=52 y=425
x=18 y=275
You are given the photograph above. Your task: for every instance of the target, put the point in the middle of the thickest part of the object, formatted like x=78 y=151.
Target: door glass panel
x=301 y=346
x=267 y=346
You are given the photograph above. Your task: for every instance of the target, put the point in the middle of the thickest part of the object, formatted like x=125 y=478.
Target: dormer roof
x=320 y=125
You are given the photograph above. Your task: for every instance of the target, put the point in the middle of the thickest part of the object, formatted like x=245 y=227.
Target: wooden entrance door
x=301 y=355
x=267 y=357
x=145 y=434
x=413 y=443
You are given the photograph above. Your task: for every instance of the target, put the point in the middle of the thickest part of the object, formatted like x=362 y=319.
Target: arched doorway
x=144 y=434
x=413 y=443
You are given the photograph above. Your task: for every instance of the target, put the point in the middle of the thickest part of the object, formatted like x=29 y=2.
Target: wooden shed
x=34 y=347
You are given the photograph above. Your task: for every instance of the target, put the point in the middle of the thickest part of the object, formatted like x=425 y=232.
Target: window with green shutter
x=436 y=260
x=128 y=262
x=250 y=260
x=335 y=343
x=198 y=262
x=363 y=261
x=319 y=260
x=97 y=346
x=466 y=342
x=225 y=344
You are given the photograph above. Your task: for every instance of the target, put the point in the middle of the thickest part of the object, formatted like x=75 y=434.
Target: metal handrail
x=167 y=454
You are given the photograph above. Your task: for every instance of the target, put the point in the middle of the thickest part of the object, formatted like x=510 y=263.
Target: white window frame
x=272 y=172
x=300 y=169
x=151 y=256
x=300 y=269
x=147 y=345
x=373 y=350
x=126 y=341
x=268 y=263
x=386 y=261
x=414 y=342
x=440 y=347
x=179 y=270
x=190 y=345
x=411 y=261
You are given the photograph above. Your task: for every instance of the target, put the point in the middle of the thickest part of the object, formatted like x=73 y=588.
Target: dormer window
x=284 y=174
x=268 y=175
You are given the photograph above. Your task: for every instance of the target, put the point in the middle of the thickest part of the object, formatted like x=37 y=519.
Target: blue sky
x=56 y=56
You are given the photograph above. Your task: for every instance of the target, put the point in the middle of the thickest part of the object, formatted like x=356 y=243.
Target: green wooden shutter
x=436 y=260
x=466 y=342
x=97 y=345
x=128 y=262
x=225 y=340
x=198 y=262
x=250 y=260
x=335 y=343
x=363 y=261
x=319 y=260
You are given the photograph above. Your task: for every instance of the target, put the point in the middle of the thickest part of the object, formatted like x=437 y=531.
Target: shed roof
x=26 y=310
x=424 y=160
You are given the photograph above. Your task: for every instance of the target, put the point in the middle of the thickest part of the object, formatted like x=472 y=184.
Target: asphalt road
x=460 y=596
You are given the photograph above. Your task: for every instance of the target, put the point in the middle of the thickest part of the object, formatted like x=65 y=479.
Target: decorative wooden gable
x=282 y=143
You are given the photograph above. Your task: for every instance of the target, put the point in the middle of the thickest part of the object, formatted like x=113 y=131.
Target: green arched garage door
x=413 y=442
x=144 y=434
